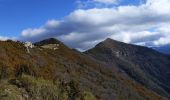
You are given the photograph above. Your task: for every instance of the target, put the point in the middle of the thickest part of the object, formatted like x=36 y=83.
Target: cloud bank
x=146 y=24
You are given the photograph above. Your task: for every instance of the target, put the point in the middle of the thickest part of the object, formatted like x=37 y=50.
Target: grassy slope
x=62 y=74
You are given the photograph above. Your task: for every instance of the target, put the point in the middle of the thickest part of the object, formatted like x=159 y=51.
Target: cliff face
x=46 y=73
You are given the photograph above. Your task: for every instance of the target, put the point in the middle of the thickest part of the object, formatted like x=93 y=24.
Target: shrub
x=4 y=71
x=10 y=92
x=39 y=89
x=24 y=69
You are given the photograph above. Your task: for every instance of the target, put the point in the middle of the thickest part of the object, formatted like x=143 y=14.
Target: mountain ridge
x=141 y=58
x=64 y=74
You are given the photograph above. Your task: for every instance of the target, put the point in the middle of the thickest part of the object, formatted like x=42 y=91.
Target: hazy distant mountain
x=110 y=71
x=164 y=49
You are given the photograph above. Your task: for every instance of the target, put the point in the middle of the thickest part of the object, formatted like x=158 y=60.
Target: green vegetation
x=4 y=72
x=40 y=89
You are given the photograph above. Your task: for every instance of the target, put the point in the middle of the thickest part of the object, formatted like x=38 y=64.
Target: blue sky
x=82 y=24
x=16 y=15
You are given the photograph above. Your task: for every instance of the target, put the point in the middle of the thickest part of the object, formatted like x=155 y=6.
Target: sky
x=81 y=24
x=16 y=15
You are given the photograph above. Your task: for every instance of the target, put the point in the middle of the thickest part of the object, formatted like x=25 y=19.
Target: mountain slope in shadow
x=144 y=65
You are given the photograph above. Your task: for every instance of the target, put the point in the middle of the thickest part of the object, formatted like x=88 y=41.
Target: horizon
x=81 y=24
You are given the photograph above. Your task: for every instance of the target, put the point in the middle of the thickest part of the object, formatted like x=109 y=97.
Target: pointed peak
x=108 y=39
x=111 y=41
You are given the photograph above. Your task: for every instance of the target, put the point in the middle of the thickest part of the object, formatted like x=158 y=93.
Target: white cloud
x=159 y=6
x=33 y=32
x=136 y=37
x=4 y=38
x=162 y=41
x=52 y=23
x=146 y=24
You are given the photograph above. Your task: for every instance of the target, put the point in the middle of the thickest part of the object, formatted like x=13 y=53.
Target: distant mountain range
x=111 y=70
x=164 y=49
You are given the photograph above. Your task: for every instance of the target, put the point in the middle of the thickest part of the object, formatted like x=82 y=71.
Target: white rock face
x=117 y=53
x=28 y=45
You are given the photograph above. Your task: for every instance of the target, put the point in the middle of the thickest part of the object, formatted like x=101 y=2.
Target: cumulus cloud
x=146 y=24
x=162 y=41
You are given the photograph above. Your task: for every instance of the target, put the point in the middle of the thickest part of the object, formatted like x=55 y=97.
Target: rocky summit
x=111 y=70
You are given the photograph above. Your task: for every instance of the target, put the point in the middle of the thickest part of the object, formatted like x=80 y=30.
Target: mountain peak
x=110 y=40
x=122 y=49
x=110 y=43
